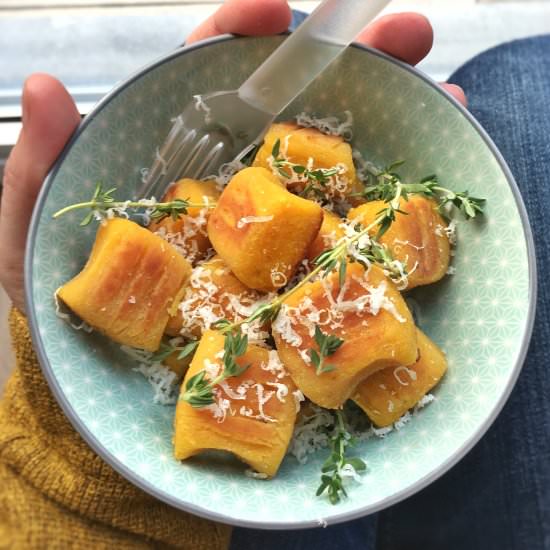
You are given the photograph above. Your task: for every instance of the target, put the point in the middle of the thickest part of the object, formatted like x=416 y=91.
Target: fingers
x=247 y=17
x=457 y=92
x=49 y=118
x=406 y=36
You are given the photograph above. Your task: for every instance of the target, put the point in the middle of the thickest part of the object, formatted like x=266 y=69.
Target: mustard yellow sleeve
x=56 y=493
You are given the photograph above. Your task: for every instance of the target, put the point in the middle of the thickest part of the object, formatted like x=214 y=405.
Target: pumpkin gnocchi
x=279 y=293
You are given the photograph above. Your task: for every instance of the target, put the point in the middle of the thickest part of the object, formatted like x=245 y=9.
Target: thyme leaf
x=165 y=350
x=387 y=184
x=333 y=467
x=316 y=179
x=328 y=344
x=199 y=390
x=102 y=202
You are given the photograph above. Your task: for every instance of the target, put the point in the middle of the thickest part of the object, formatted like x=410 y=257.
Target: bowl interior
x=480 y=315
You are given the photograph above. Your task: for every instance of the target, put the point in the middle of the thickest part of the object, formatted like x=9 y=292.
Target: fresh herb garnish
x=199 y=390
x=103 y=201
x=337 y=461
x=165 y=350
x=327 y=344
x=315 y=180
x=388 y=186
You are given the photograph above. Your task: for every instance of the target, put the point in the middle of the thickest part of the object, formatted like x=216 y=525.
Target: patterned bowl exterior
x=481 y=316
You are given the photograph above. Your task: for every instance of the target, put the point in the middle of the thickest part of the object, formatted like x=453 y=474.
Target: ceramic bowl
x=481 y=316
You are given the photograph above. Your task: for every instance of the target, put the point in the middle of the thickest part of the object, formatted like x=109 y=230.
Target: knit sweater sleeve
x=56 y=492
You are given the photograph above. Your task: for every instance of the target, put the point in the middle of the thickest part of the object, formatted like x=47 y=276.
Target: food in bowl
x=302 y=298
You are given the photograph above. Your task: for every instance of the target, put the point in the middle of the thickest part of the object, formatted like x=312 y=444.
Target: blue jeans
x=498 y=496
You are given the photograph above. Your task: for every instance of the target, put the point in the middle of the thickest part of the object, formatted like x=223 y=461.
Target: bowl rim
x=154 y=491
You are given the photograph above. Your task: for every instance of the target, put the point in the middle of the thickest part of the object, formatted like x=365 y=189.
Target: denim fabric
x=498 y=496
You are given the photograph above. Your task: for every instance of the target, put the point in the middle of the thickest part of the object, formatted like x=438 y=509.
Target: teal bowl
x=481 y=316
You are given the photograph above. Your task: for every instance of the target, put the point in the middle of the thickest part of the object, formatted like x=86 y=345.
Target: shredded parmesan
x=277 y=275
x=405 y=419
x=255 y=475
x=298 y=398
x=283 y=325
x=364 y=168
x=311 y=432
x=274 y=365
x=412 y=375
x=426 y=400
x=450 y=231
x=68 y=317
x=330 y=125
x=226 y=172
x=165 y=382
x=252 y=219
x=281 y=390
x=200 y=105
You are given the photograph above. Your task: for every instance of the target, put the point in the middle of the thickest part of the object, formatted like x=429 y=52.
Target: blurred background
x=92 y=44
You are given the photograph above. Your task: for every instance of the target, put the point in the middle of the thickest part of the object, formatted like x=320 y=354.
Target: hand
x=50 y=115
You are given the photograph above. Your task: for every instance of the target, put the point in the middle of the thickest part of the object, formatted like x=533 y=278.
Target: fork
x=220 y=127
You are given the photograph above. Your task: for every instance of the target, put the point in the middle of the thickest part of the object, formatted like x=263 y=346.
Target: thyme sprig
x=328 y=344
x=199 y=390
x=325 y=263
x=335 y=464
x=387 y=185
x=316 y=179
x=166 y=349
x=103 y=201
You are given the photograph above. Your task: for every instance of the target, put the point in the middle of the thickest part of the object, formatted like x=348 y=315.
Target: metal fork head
x=211 y=131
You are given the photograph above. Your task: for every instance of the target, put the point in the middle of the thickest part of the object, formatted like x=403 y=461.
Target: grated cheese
x=330 y=125
x=450 y=231
x=412 y=374
x=364 y=168
x=426 y=400
x=298 y=398
x=255 y=475
x=278 y=277
x=283 y=325
x=200 y=105
x=68 y=317
x=226 y=172
x=281 y=390
x=274 y=365
x=165 y=382
x=252 y=219
x=405 y=419
x=311 y=433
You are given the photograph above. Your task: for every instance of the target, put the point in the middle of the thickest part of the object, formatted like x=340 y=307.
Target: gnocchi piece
x=261 y=230
x=330 y=232
x=131 y=282
x=367 y=312
x=188 y=232
x=418 y=238
x=299 y=145
x=253 y=415
x=213 y=293
x=388 y=394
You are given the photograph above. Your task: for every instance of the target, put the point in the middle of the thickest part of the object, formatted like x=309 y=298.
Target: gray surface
x=91 y=49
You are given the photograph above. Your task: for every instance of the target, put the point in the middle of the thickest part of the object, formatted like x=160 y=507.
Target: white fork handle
x=307 y=51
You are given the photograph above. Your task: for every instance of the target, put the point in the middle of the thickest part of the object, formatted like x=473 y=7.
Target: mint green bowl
x=482 y=316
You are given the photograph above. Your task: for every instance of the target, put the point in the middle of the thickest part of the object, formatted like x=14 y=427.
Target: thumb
x=49 y=118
